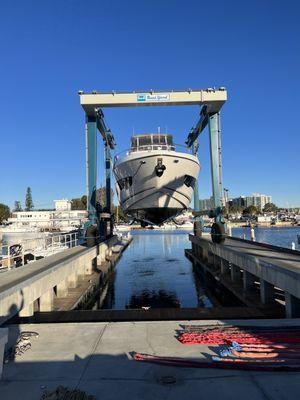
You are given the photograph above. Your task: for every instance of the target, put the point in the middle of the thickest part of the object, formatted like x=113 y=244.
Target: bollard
x=229 y=230
x=108 y=254
x=197 y=228
x=252 y=234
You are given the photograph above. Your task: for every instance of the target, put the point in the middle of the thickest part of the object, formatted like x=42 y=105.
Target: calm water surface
x=277 y=236
x=154 y=272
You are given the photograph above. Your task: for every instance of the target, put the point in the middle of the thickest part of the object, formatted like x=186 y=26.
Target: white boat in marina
x=13 y=229
x=123 y=227
x=185 y=225
x=154 y=181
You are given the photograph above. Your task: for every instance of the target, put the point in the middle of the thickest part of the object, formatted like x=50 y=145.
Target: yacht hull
x=146 y=195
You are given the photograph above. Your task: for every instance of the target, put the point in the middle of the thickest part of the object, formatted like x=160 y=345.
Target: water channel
x=154 y=272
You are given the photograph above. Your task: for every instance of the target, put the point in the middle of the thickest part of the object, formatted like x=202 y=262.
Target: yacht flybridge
x=154 y=181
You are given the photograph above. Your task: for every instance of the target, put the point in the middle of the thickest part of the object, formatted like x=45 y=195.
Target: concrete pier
x=248 y=281
x=36 y=286
x=46 y=301
x=292 y=305
x=261 y=275
x=267 y=294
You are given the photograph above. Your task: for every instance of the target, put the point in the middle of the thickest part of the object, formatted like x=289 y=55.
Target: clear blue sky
x=50 y=49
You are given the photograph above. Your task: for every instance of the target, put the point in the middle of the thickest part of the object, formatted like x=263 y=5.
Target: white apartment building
x=258 y=200
x=63 y=205
x=208 y=204
x=62 y=218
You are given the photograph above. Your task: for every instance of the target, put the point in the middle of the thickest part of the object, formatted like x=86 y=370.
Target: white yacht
x=154 y=181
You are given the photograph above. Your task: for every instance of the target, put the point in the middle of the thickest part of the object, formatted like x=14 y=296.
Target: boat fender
x=159 y=168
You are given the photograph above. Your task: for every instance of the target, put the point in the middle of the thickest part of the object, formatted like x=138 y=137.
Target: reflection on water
x=153 y=299
x=154 y=272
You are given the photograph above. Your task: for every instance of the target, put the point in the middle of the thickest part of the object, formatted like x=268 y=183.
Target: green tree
x=270 y=207
x=28 y=200
x=77 y=204
x=251 y=210
x=119 y=215
x=83 y=201
x=4 y=212
x=17 y=206
x=80 y=203
x=101 y=196
x=232 y=209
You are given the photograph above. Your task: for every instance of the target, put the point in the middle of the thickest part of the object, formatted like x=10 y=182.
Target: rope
x=223 y=363
x=245 y=335
x=246 y=348
x=23 y=344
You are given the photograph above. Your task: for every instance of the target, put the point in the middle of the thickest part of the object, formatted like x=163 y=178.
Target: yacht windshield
x=152 y=142
x=145 y=140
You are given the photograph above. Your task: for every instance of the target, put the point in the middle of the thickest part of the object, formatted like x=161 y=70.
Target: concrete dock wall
x=253 y=266
x=33 y=287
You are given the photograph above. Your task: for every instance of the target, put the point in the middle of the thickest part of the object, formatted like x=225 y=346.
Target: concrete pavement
x=94 y=357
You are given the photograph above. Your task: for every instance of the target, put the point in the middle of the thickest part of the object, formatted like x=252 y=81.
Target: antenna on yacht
x=158 y=129
x=133 y=131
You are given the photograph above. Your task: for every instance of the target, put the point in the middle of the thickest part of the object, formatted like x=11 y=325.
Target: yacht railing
x=28 y=250
x=149 y=148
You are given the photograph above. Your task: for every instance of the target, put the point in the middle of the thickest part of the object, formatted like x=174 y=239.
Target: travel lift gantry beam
x=210 y=99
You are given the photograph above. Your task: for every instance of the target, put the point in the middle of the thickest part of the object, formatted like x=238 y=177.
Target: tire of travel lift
x=91 y=235
x=218 y=232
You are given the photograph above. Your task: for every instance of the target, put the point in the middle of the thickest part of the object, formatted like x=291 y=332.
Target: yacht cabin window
x=144 y=142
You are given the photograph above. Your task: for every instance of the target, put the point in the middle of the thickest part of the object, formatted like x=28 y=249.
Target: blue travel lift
x=99 y=225
x=212 y=119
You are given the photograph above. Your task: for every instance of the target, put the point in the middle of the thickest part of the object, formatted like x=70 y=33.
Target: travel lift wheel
x=218 y=232
x=91 y=235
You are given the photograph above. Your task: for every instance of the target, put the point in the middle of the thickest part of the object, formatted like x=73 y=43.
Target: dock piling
x=266 y=292
x=292 y=306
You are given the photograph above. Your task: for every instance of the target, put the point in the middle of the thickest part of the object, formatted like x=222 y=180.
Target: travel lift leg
x=91 y=226
x=218 y=228
x=198 y=220
x=106 y=225
x=108 y=187
x=96 y=226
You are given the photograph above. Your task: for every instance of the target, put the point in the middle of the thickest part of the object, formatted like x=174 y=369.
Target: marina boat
x=12 y=229
x=155 y=182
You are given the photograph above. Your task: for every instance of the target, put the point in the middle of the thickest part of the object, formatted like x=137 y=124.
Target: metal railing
x=28 y=250
x=182 y=148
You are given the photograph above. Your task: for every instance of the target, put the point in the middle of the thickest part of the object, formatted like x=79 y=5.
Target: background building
x=206 y=204
x=62 y=218
x=63 y=205
x=255 y=199
x=238 y=202
x=258 y=200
